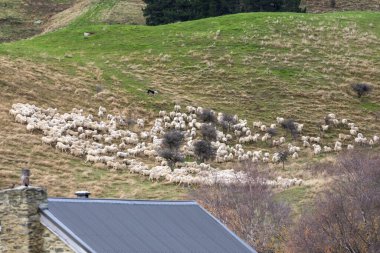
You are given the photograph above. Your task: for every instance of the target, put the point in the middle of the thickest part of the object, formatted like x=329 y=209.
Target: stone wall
x=21 y=230
x=52 y=244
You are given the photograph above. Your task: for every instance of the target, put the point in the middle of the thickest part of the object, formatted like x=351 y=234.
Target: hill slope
x=20 y=19
x=340 y=5
x=24 y=18
x=259 y=65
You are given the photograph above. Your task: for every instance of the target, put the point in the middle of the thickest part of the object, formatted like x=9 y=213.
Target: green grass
x=262 y=64
x=298 y=197
x=372 y=107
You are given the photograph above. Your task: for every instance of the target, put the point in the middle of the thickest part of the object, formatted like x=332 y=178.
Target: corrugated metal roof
x=112 y=226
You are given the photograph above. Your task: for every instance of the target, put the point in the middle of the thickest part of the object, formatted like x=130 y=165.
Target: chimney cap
x=82 y=194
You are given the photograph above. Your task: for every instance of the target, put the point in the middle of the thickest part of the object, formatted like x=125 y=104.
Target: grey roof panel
x=114 y=226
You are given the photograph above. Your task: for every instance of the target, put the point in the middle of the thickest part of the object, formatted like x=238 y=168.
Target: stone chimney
x=20 y=227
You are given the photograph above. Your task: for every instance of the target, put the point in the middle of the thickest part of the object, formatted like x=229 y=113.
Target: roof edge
x=62 y=232
x=229 y=231
x=126 y=201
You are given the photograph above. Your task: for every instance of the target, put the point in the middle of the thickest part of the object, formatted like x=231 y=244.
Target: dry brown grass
x=63 y=18
x=61 y=173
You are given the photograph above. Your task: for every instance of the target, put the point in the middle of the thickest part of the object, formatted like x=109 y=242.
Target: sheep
x=79 y=152
x=140 y=123
x=315 y=139
x=295 y=155
x=92 y=158
x=338 y=146
x=276 y=143
x=257 y=124
x=177 y=108
x=299 y=127
x=350 y=147
x=344 y=137
x=327 y=149
x=316 y=149
x=325 y=128
x=102 y=111
x=122 y=154
x=62 y=146
x=162 y=114
x=280 y=120
x=48 y=140
x=353 y=132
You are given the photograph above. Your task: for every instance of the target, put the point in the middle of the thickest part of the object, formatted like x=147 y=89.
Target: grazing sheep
x=325 y=128
x=338 y=146
x=102 y=111
x=316 y=149
x=177 y=108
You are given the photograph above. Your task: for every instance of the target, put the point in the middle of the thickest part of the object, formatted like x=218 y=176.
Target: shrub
x=171 y=156
x=208 y=116
x=346 y=217
x=272 y=132
x=361 y=89
x=250 y=209
x=227 y=121
x=291 y=127
x=204 y=151
x=173 y=140
x=208 y=132
x=283 y=157
x=170 y=146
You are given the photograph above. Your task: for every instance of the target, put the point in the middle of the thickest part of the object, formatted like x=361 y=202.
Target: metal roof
x=110 y=226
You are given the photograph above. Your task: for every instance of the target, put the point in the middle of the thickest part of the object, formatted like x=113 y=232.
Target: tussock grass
x=262 y=65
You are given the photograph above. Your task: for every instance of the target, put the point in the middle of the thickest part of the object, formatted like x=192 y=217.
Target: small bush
x=272 y=132
x=173 y=140
x=170 y=146
x=346 y=216
x=361 y=89
x=208 y=116
x=204 y=151
x=227 y=121
x=208 y=132
x=171 y=156
x=283 y=157
x=290 y=126
x=251 y=209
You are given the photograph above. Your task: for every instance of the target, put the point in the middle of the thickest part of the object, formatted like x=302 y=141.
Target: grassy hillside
x=258 y=65
x=96 y=12
x=20 y=19
x=24 y=18
x=340 y=5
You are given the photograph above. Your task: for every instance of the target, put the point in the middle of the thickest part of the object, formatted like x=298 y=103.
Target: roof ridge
x=124 y=201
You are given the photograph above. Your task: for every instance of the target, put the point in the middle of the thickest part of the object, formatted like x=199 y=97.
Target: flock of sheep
x=105 y=138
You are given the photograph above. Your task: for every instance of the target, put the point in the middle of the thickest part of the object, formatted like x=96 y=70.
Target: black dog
x=151 y=92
